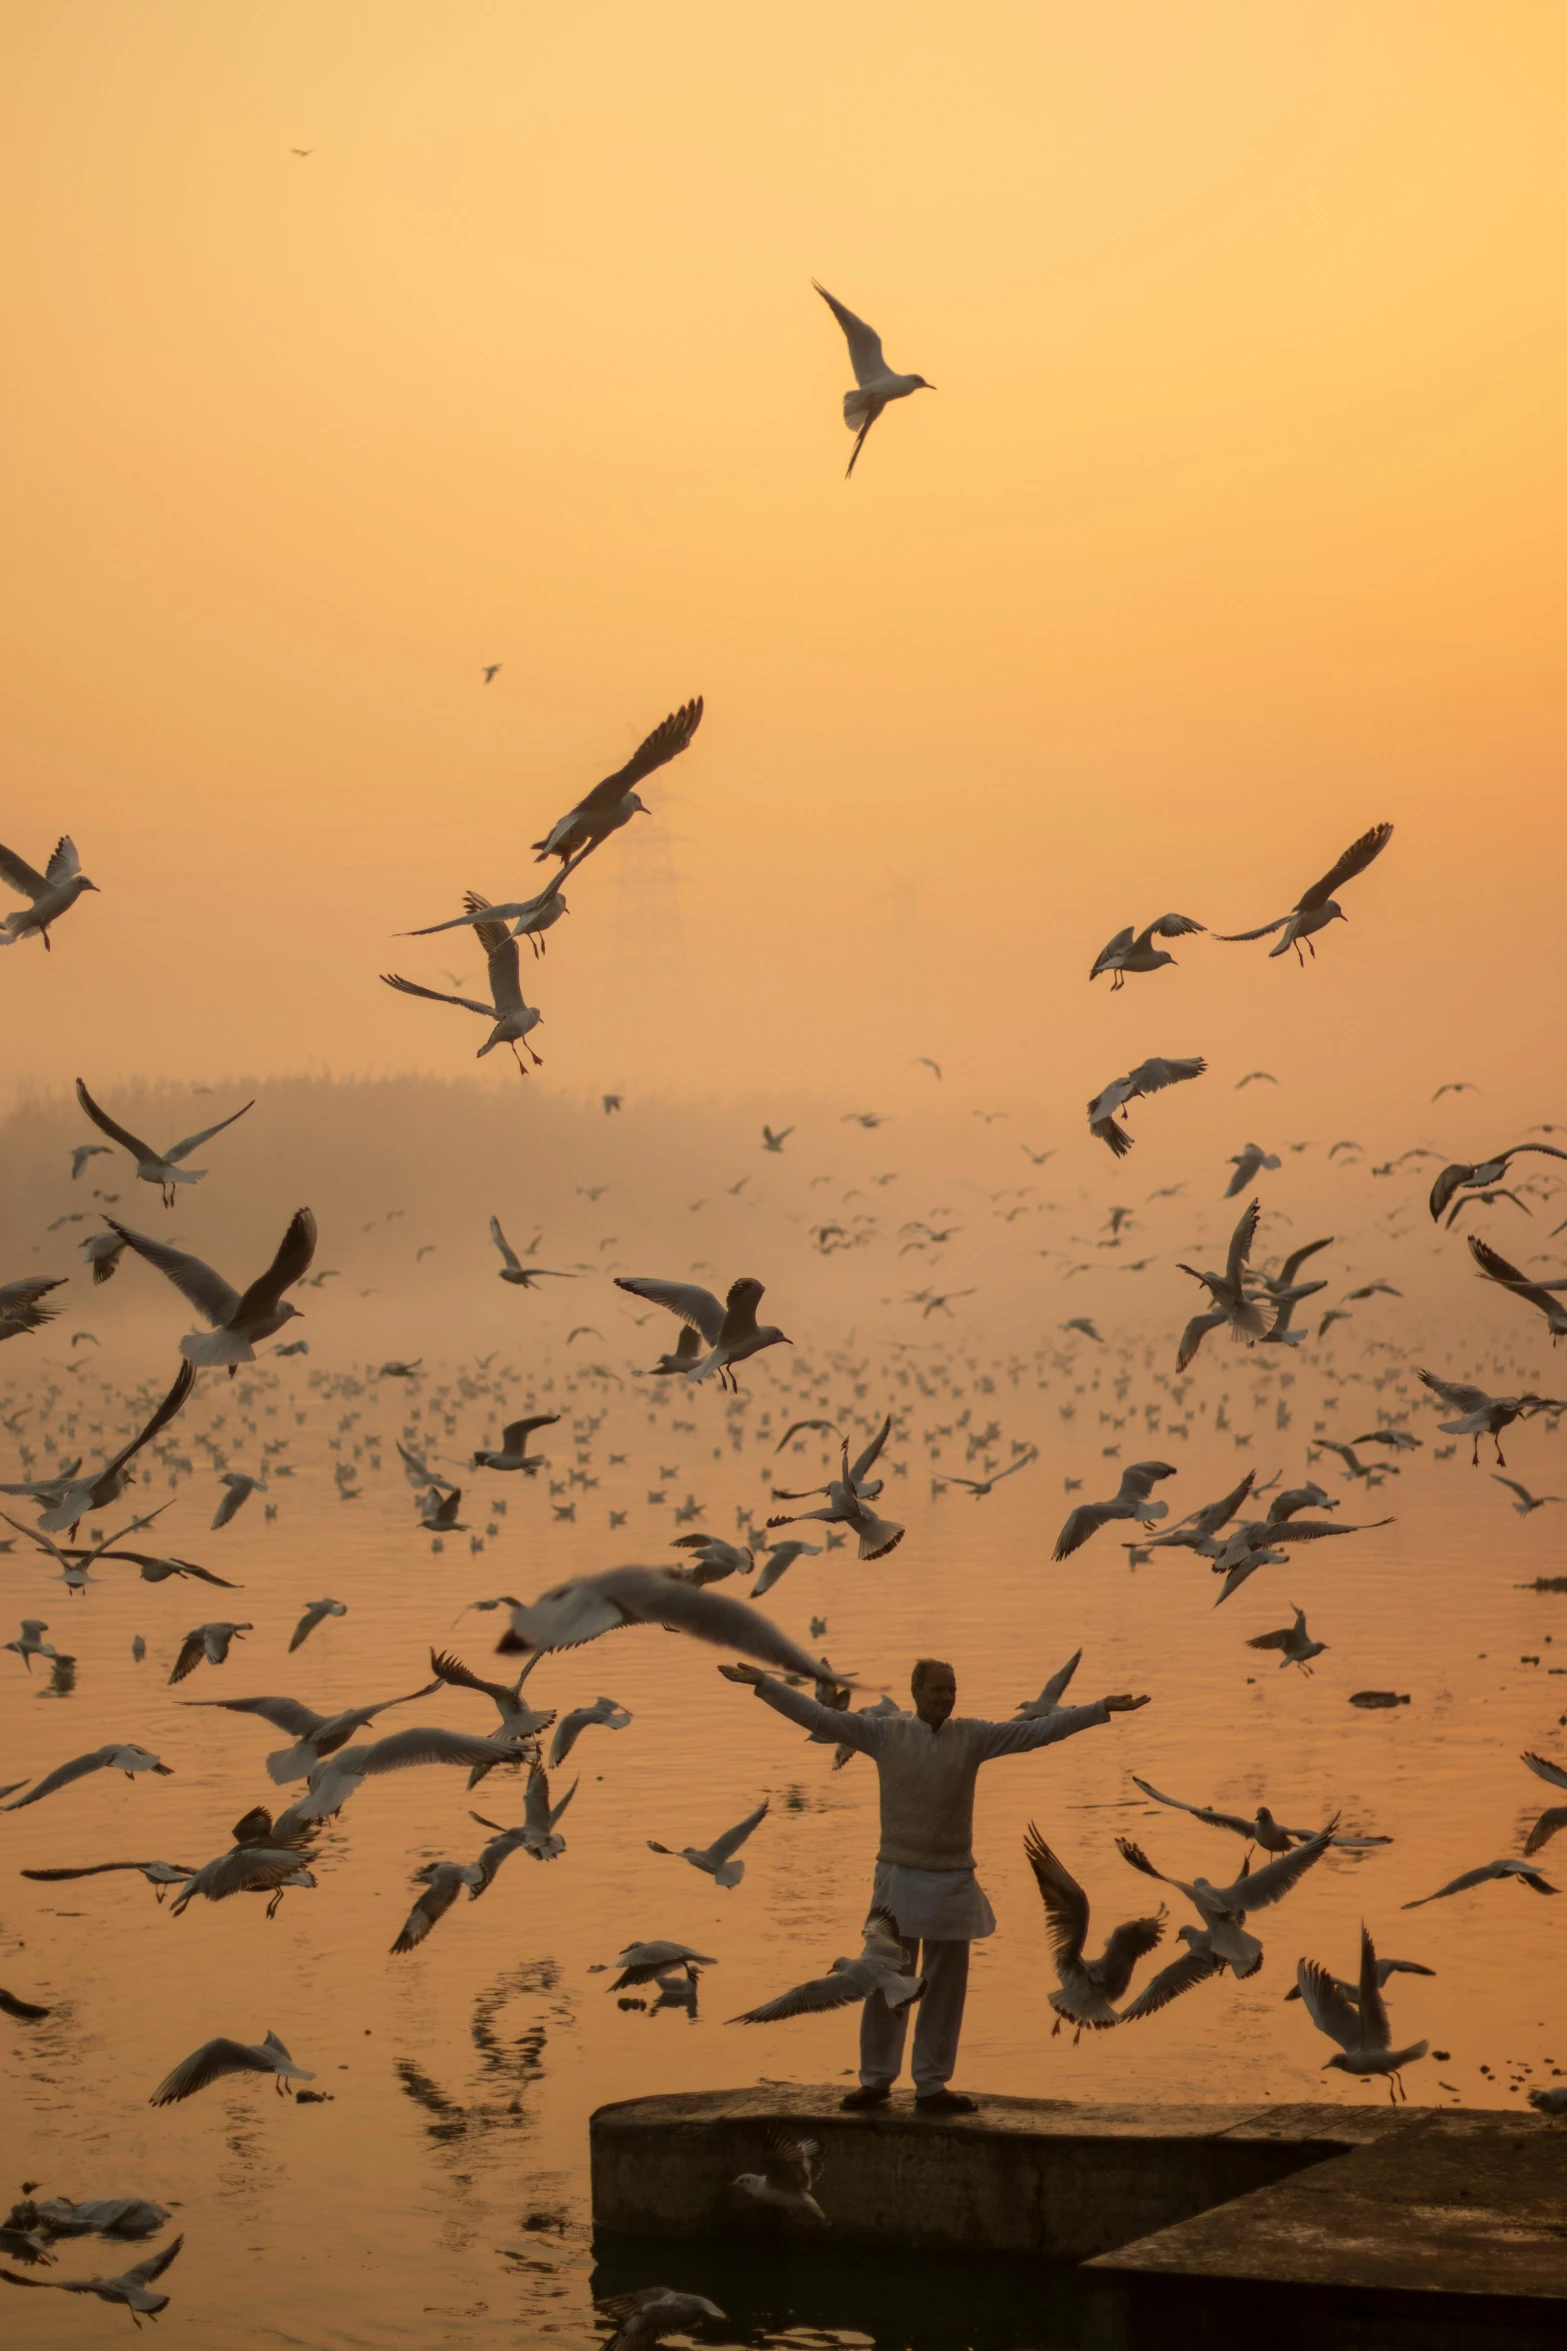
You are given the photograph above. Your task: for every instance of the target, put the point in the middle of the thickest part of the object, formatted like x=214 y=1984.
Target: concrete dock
x=1334 y=2225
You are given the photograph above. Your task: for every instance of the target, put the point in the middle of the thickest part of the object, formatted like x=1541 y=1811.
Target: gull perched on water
x=166 y=1169
x=522 y=1276
x=717 y=1860
x=789 y=2173
x=50 y=893
x=1546 y=1827
x=344 y=1773
x=1293 y=1640
x=513 y=1018
x=128 y=1758
x=1130 y=1500
x=1087 y=1988
x=614 y=802
x=875 y=382
x=216 y=2058
x=1149 y=1077
x=1481 y=1415
x=649 y=2313
x=315 y=1736
x=1463 y=1178
x=316 y=1611
x=1223 y=1909
x=209 y=1641
x=882 y=1966
x=1543 y=1295
x=133 y=2286
x=731 y=1330
x=1525 y=1871
x=71 y=1498
x=1247 y=1164
x=571 y=1726
x=240 y=1319
x=1134 y=950
x=1361 y=2027
x=1317 y=907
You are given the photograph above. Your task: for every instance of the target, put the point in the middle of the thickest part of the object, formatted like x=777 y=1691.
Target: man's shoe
x=943 y=2102
x=877 y=2094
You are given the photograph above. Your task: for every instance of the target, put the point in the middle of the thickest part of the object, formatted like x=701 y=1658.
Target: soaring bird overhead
x=1315 y=908
x=614 y=802
x=875 y=383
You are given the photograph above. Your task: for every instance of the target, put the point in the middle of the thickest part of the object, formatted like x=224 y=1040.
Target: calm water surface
x=441 y=2197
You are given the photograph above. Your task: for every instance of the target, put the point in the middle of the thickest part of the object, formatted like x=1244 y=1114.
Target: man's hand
x=752 y=1674
x=1125 y=1704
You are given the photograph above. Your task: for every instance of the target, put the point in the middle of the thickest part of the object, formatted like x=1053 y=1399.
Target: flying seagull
x=1317 y=907
x=1134 y=950
x=614 y=802
x=1149 y=1077
x=50 y=893
x=875 y=382
x=240 y=1320
x=512 y=1016
x=166 y=1169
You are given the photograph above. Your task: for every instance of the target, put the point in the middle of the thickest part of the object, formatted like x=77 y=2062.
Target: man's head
x=935 y=1689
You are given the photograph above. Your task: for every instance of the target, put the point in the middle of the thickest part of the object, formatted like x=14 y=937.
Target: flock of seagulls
x=330 y=1760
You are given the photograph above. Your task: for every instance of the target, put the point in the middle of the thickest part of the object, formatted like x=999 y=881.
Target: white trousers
x=938 y=2021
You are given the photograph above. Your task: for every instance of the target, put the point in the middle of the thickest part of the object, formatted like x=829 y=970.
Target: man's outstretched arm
x=1021 y=1738
x=824 y=1722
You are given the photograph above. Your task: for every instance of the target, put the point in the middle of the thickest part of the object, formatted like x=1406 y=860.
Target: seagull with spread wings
x=1481 y=1415
x=1130 y=1500
x=1149 y=1077
x=166 y=1169
x=1524 y=1871
x=240 y=1320
x=586 y=1607
x=530 y=918
x=314 y=1735
x=214 y=2059
x=1087 y=1989
x=1544 y=1295
x=20 y=1307
x=1360 y=2027
x=70 y=1499
x=881 y=1966
x=717 y=1860
x=1546 y=1827
x=512 y=1016
x=1317 y=907
x=1231 y=1302
x=1223 y=1910
x=512 y=1452
x=1461 y=1177
x=1134 y=950
x=50 y=893
x=133 y=2287
x=875 y=382
x=614 y=802
x=731 y=1331
x=521 y=1277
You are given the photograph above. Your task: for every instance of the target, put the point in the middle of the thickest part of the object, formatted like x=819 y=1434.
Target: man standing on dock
x=927 y=1764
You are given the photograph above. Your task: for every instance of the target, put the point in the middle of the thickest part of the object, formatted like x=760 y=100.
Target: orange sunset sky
x=1235 y=525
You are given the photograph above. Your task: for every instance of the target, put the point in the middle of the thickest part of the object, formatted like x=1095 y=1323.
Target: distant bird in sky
x=1546 y=1296
x=163 y=1168
x=492 y=670
x=1455 y=1086
x=50 y=893
x=1460 y=1177
x=513 y=1270
x=924 y=1061
x=1251 y=1077
x=775 y=1142
x=1134 y=950
x=876 y=384
x=1317 y=907
x=614 y=802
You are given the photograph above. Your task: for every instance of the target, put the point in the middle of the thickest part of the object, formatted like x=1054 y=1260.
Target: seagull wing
x=1354 y=860
x=1261 y=1888
x=1193 y=1336
x=1180 y=1976
x=1457 y=1393
x=291 y=1263
x=192 y=1143
x=27 y=882
x=106 y=1125
x=732 y=1839
x=425 y=1743
x=515 y=1435
x=668 y=739
x=1173 y=926
x=436 y=995
x=1066 y=1904
x=207 y=2064
x=1084 y=1521
x=184 y=1381
x=822 y=1992
x=62 y=1776
x=864 y=1462
x=1152 y=1076
x=1116 y=946
x=1132 y=1940
x=1235 y=939
x=451 y=1669
x=1296 y=1259
x=97 y=1869
x=740 y=1307
x=145 y=2272
x=1375 y=2031
x=688 y=1300
x=505 y=976
x=513 y=1261
x=1203 y=1812
x=656 y=1597
x=1327 y=2007
x=863 y=341
x=1240 y=1244
x=1553 y=1773
x=207 y=1291
x=1055 y=1688
x=285 y=1714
